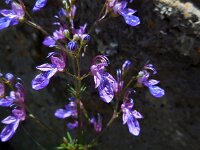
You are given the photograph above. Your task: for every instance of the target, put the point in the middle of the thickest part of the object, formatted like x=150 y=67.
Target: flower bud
x=85 y=38
x=66 y=33
x=72 y=46
x=9 y=77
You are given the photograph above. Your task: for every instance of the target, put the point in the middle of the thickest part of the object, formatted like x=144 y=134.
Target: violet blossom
x=18 y=113
x=11 y=17
x=70 y=110
x=103 y=80
x=80 y=33
x=97 y=123
x=130 y=115
x=50 y=41
x=49 y=70
x=143 y=79
x=39 y=4
x=126 y=13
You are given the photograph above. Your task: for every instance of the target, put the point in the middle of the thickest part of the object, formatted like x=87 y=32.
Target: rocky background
x=168 y=37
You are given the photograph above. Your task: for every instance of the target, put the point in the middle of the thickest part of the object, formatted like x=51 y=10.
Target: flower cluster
x=15 y=101
x=108 y=87
x=67 y=32
x=69 y=42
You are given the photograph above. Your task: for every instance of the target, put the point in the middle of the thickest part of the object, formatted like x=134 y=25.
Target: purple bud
x=9 y=77
x=72 y=46
x=85 y=38
x=126 y=65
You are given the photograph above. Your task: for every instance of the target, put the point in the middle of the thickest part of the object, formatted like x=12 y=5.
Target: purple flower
x=39 y=4
x=49 y=70
x=97 y=123
x=57 y=35
x=80 y=33
x=130 y=116
x=126 y=13
x=12 y=123
x=16 y=99
x=143 y=79
x=8 y=100
x=103 y=80
x=70 y=110
x=11 y=17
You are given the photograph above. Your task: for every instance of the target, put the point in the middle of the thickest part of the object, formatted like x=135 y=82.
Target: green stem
x=36 y=26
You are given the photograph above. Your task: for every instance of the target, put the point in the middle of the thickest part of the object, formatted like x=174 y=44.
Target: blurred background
x=168 y=37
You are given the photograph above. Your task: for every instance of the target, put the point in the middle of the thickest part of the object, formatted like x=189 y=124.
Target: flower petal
x=9 y=131
x=46 y=67
x=156 y=91
x=153 y=82
x=49 y=41
x=106 y=92
x=73 y=125
x=136 y=114
x=6 y=102
x=63 y=113
x=19 y=114
x=4 y=22
x=150 y=67
x=58 y=62
x=39 y=4
x=133 y=125
x=127 y=11
x=18 y=10
x=9 y=120
x=42 y=80
x=131 y=20
x=8 y=13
